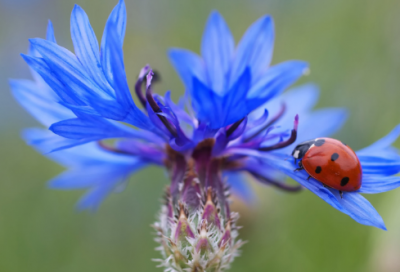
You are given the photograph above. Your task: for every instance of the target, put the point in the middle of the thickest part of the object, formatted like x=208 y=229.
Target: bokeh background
x=353 y=48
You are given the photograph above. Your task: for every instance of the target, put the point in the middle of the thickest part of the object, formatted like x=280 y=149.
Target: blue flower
x=227 y=83
x=237 y=123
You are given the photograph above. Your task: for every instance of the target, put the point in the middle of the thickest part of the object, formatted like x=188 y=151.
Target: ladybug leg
x=300 y=167
x=308 y=177
x=326 y=186
x=341 y=194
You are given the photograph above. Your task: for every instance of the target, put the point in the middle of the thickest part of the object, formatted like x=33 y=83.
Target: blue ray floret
x=233 y=82
x=238 y=121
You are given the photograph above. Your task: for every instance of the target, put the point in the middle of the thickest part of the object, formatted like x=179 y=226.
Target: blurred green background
x=353 y=48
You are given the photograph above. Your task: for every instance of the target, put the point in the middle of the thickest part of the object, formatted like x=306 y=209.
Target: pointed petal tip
x=26 y=57
x=76 y=6
x=33 y=41
x=396 y=129
x=215 y=15
x=214 y=12
x=52 y=185
x=173 y=50
x=37 y=42
x=380 y=225
x=51 y=128
x=305 y=64
x=12 y=81
x=267 y=18
x=266 y=21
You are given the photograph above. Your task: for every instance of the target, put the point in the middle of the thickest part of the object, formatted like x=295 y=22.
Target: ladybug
x=331 y=162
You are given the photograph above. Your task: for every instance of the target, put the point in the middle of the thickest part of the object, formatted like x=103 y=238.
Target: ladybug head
x=300 y=150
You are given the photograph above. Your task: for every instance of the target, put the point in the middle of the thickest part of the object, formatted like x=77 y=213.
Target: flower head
x=238 y=122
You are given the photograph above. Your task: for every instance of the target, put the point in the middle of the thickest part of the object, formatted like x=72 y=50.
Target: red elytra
x=331 y=162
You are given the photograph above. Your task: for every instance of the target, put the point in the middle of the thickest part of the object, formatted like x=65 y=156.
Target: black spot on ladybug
x=334 y=156
x=318 y=169
x=319 y=142
x=344 y=181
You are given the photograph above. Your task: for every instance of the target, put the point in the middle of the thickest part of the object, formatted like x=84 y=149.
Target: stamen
x=138 y=85
x=289 y=141
x=273 y=120
x=233 y=127
x=153 y=104
x=279 y=185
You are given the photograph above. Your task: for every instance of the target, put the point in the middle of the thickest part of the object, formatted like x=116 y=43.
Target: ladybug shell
x=334 y=164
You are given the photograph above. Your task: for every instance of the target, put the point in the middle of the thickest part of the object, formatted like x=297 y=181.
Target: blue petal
x=234 y=104
x=217 y=48
x=220 y=111
x=239 y=186
x=297 y=100
x=118 y=19
x=50 y=33
x=92 y=200
x=102 y=179
x=69 y=71
x=46 y=141
x=276 y=79
x=87 y=47
x=150 y=153
x=377 y=165
x=322 y=122
x=379 y=184
x=188 y=65
x=77 y=156
x=40 y=67
x=82 y=178
x=89 y=127
x=381 y=144
x=206 y=103
x=360 y=209
x=255 y=49
x=113 y=48
x=267 y=175
x=39 y=102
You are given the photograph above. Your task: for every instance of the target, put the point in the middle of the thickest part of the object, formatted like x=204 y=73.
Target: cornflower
x=233 y=121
